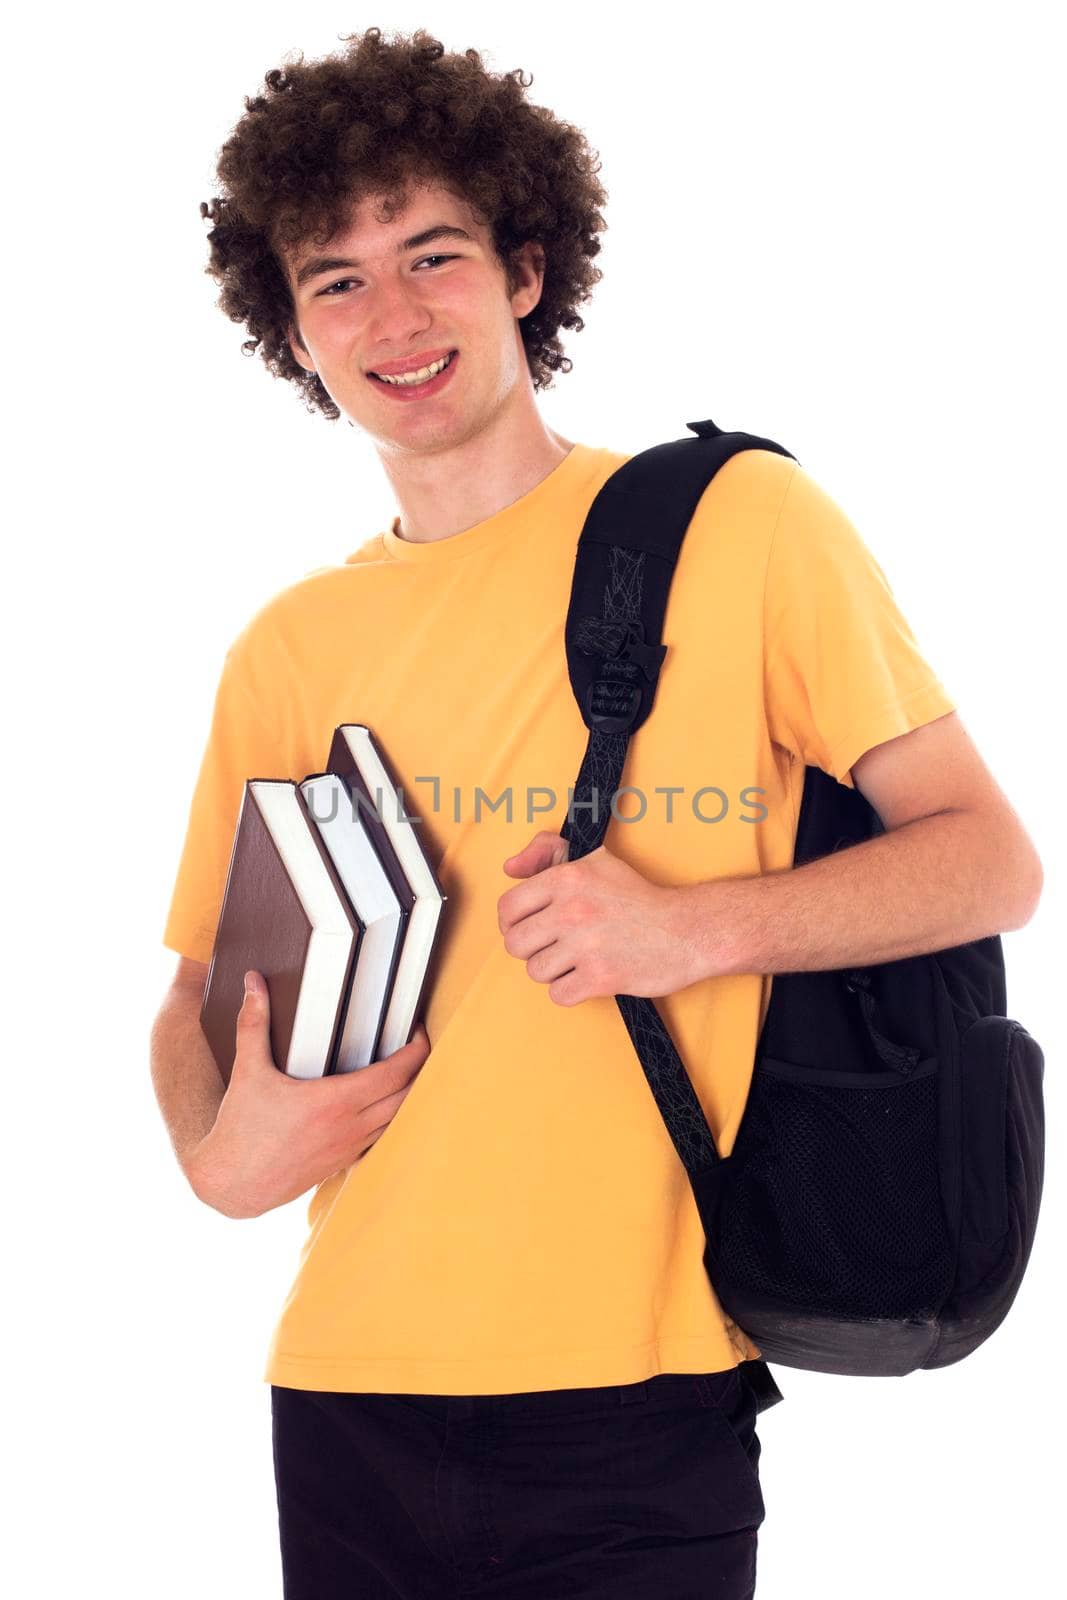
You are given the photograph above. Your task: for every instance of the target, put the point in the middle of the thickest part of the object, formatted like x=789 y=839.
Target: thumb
x=253 y=1022
x=545 y=849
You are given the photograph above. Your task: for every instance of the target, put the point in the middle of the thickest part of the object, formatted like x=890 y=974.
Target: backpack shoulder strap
x=627 y=553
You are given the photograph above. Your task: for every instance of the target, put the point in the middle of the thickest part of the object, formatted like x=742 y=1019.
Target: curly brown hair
x=368 y=121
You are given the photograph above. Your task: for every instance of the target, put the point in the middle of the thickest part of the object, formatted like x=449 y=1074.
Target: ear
x=528 y=273
x=300 y=355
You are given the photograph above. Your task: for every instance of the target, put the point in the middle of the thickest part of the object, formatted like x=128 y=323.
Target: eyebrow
x=316 y=265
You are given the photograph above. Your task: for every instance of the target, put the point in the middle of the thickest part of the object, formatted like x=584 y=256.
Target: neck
x=444 y=491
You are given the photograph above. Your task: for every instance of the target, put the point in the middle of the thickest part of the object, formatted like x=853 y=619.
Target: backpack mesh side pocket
x=834 y=1202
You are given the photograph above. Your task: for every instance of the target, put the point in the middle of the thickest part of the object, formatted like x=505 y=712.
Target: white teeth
x=415 y=377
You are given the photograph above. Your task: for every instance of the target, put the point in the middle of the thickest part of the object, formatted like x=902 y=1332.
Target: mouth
x=417 y=385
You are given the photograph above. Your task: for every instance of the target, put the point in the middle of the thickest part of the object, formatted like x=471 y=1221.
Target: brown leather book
x=284 y=914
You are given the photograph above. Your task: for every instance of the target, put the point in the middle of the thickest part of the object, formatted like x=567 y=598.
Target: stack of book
x=331 y=896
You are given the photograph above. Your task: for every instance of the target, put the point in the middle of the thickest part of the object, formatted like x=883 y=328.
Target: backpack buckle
x=622 y=716
x=612 y=703
x=623 y=640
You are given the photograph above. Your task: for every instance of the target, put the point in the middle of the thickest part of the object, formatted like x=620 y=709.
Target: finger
x=373 y=1122
x=567 y=990
x=544 y=966
x=381 y=1112
x=520 y=854
x=543 y=850
x=418 y=1044
x=384 y=1075
x=416 y=1049
x=522 y=902
x=528 y=936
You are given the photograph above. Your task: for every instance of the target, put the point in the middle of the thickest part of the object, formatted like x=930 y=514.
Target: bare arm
x=955 y=864
x=188 y=1085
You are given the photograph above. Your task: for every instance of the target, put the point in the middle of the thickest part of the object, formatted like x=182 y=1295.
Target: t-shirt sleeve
x=240 y=745
x=843 y=670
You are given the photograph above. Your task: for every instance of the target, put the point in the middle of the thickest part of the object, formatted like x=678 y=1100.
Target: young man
x=501 y=1357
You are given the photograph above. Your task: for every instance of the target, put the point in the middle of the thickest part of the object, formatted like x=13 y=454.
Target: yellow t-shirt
x=524 y=1221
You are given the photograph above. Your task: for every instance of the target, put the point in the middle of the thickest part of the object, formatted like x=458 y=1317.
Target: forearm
x=930 y=884
x=187 y=1082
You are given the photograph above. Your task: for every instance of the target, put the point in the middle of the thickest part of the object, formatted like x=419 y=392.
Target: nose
x=398 y=315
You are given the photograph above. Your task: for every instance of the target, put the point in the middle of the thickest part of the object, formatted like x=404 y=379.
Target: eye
x=332 y=288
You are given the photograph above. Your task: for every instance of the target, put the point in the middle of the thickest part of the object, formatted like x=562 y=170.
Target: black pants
x=646 y=1489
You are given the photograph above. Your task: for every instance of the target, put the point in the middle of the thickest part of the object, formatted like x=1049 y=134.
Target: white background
x=833 y=225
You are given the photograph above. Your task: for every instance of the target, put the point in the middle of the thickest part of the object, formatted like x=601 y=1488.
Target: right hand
x=276 y=1136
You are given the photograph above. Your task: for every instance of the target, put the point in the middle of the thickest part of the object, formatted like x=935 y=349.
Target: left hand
x=595 y=926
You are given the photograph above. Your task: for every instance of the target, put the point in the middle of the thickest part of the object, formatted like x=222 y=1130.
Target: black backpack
x=878 y=1208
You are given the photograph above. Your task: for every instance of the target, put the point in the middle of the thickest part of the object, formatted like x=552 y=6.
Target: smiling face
x=401 y=295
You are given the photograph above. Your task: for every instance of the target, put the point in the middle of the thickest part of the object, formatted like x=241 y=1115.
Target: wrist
x=709 y=926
